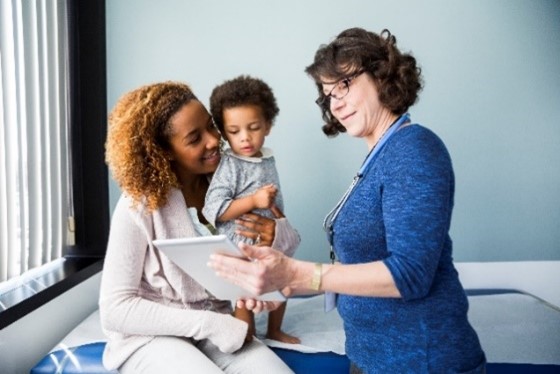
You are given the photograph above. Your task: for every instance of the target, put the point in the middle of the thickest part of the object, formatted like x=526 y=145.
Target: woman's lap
x=249 y=359
x=168 y=354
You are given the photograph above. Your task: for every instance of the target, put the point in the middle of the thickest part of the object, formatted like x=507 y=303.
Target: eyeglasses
x=340 y=89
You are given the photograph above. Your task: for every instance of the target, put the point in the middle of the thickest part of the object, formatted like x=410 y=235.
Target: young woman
x=162 y=148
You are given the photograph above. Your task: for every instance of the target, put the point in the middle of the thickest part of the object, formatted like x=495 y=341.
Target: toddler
x=246 y=180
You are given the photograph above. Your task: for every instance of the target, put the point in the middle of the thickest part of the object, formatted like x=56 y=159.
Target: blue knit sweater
x=400 y=213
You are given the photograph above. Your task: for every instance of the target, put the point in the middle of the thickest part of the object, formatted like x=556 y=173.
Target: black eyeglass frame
x=324 y=100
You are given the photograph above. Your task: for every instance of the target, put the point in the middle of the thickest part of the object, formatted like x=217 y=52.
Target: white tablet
x=193 y=254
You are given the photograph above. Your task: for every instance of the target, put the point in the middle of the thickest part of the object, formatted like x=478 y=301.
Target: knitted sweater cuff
x=224 y=331
x=287 y=238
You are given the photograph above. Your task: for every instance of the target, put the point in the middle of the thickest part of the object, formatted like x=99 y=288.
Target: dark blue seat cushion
x=86 y=359
x=82 y=359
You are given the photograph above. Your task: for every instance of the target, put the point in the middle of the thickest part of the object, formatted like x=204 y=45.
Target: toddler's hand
x=264 y=197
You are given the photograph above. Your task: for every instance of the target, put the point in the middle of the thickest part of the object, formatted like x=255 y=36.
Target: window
x=54 y=183
x=34 y=198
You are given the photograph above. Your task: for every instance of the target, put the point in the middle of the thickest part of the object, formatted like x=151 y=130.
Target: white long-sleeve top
x=143 y=294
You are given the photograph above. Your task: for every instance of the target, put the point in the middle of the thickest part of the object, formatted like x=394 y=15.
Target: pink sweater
x=143 y=294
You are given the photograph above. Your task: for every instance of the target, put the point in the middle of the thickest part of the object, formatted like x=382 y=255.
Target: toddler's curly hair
x=240 y=91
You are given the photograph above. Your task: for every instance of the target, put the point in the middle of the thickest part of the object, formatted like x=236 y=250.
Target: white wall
x=492 y=93
x=29 y=339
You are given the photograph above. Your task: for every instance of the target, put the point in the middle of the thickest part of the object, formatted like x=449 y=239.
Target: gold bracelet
x=316 y=280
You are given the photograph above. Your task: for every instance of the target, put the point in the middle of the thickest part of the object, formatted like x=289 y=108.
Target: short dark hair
x=240 y=91
x=396 y=75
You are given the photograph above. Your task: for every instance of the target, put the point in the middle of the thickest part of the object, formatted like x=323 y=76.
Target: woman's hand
x=261 y=229
x=268 y=270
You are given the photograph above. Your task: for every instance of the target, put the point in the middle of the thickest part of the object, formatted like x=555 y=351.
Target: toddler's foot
x=281 y=336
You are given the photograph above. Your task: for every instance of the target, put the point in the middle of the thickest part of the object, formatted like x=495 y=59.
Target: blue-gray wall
x=492 y=93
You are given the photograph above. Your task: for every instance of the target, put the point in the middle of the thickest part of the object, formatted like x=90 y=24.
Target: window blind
x=34 y=172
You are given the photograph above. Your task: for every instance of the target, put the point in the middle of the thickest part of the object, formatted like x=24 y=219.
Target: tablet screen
x=193 y=254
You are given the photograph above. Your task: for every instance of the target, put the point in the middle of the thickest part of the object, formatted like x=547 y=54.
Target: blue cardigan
x=400 y=213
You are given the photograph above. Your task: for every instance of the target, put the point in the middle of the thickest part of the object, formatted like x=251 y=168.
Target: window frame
x=90 y=177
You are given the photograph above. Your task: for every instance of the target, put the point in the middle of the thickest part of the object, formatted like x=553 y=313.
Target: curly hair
x=137 y=146
x=397 y=77
x=243 y=90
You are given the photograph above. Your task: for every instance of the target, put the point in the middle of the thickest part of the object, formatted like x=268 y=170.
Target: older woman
x=162 y=148
x=399 y=295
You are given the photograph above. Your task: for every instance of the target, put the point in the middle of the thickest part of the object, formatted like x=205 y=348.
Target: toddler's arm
x=263 y=198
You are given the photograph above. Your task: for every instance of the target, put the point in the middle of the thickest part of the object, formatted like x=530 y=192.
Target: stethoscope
x=331 y=217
